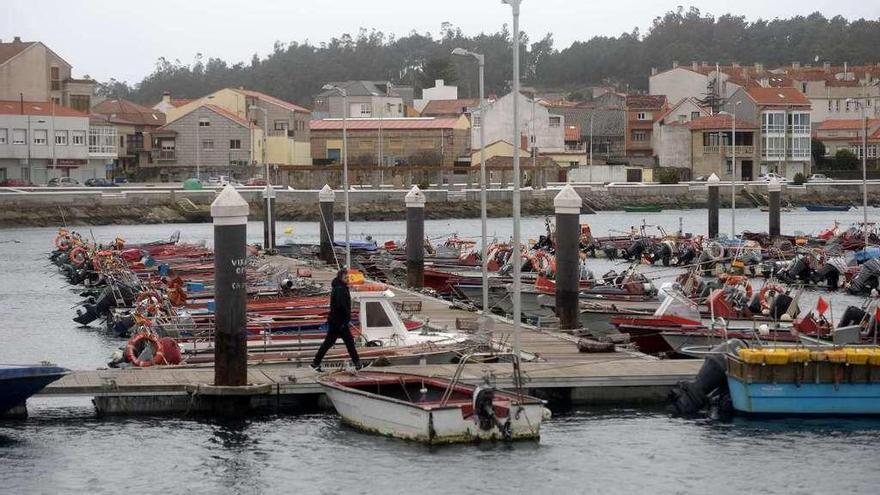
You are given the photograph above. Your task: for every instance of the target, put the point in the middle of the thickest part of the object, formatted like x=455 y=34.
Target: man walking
x=337 y=321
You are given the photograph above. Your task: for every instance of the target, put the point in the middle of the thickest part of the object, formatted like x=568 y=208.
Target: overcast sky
x=123 y=39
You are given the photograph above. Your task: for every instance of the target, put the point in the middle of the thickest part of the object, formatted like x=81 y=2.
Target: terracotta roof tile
x=647 y=102
x=845 y=124
x=437 y=108
x=404 y=123
x=719 y=121
x=778 y=96
x=9 y=50
x=130 y=112
x=14 y=107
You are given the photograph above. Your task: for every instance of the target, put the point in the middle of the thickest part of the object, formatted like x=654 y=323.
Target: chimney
x=166 y=97
x=826 y=66
x=759 y=67
x=695 y=65
x=16 y=40
x=653 y=71
x=795 y=65
x=675 y=64
x=438 y=83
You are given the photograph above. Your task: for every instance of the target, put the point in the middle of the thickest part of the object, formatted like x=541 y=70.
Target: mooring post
x=714 y=184
x=774 y=192
x=230 y=212
x=269 y=218
x=415 y=238
x=568 y=213
x=326 y=198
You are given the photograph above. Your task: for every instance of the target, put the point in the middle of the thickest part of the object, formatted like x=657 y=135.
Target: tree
x=845 y=159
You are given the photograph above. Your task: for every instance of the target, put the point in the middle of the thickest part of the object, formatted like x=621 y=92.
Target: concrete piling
x=415 y=238
x=714 y=184
x=326 y=199
x=230 y=212
x=568 y=209
x=269 y=218
x=774 y=193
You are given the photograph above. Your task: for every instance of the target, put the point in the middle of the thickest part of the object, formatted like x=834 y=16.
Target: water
x=63 y=448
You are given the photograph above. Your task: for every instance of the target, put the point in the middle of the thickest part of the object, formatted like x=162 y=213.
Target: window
x=207 y=145
x=203 y=122
x=56 y=100
x=555 y=121
x=376 y=315
x=4 y=137
x=642 y=116
x=695 y=115
x=639 y=136
x=281 y=125
x=361 y=110
x=799 y=147
x=773 y=122
x=829 y=105
x=61 y=138
x=478 y=120
x=799 y=123
x=41 y=136
x=235 y=144
x=81 y=103
x=773 y=147
x=19 y=136
x=729 y=167
x=78 y=138
x=55 y=76
x=25 y=173
x=400 y=108
x=122 y=141
x=836 y=105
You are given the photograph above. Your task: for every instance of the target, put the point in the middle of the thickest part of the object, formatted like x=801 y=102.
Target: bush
x=798 y=179
x=845 y=159
x=666 y=175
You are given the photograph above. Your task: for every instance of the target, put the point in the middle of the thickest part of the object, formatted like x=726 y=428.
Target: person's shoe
x=316 y=368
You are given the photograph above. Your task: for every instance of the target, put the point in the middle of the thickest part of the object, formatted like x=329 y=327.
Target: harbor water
x=63 y=448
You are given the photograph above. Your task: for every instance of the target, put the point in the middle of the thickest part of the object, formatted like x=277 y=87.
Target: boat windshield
x=676 y=304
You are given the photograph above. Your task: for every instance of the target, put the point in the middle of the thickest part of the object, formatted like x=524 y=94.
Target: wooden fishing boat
x=18 y=382
x=431 y=410
x=818 y=207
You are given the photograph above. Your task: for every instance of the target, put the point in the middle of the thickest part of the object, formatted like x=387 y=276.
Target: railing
x=727 y=150
x=164 y=155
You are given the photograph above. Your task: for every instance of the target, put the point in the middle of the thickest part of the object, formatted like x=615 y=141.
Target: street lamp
x=733 y=173
x=516 y=249
x=269 y=192
x=481 y=59
x=861 y=105
x=344 y=93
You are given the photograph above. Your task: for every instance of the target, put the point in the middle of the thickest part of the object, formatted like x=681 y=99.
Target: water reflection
x=234 y=456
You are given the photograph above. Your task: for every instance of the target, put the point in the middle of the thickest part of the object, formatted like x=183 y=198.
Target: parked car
x=16 y=183
x=255 y=181
x=213 y=181
x=98 y=182
x=120 y=180
x=819 y=178
x=62 y=182
x=771 y=175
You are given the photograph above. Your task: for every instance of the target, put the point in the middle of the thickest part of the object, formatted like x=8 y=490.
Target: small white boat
x=431 y=410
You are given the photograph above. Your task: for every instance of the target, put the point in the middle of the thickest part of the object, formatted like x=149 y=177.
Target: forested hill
x=296 y=71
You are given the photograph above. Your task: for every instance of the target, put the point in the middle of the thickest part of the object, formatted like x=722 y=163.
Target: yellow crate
x=874 y=357
x=776 y=356
x=856 y=355
x=798 y=355
x=750 y=356
x=836 y=355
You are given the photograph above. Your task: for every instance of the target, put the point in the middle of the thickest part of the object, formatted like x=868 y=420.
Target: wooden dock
x=561 y=373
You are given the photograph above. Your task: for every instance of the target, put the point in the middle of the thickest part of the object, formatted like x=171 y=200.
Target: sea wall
x=48 y=207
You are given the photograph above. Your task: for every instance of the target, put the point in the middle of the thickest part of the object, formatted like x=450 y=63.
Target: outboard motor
x=855 y=316
x=610 y=251
x=687 y=255
x=635 y=250
x=867 y=278
x=780 y=305
x=94 y=311
x=484 y=409
x=798 y=270
x=829 y=273
x=689 y=398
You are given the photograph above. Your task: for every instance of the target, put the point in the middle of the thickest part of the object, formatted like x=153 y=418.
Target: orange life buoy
x=77 y=256
x=132 y=351
x=62 y=242
x=740 y=280
x=762 y=296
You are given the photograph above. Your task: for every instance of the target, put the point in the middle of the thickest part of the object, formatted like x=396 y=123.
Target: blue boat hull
x=17 y=383
x=806 y=398
x=826 y=208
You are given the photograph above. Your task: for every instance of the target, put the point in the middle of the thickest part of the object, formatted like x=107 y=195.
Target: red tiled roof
x=777 y=96
x=572 y=133
x=12 y=107
x=404 y=123
x=721 y=121
x=436 y=108
x=9 y=50
x=179 y=102
x=845 y=124
x=647 y=102
x=273 y=100
x=130 y=112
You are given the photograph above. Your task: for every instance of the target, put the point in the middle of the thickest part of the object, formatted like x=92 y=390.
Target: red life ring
x=132 y=351
x=77 y=256
x=762 y=296
x=62 y=242
x=739 y=279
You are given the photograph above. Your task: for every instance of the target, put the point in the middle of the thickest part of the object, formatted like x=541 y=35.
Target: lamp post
x=516 y=249
x=270 y=224
x=733 y=173
x=344 y=94
x=481 y=60
x=861 y=105
x=591 y=145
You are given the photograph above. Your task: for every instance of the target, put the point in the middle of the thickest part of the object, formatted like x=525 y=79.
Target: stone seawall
x=45 y=207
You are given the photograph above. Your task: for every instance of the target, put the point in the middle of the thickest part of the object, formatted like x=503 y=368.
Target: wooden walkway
x=560 y=367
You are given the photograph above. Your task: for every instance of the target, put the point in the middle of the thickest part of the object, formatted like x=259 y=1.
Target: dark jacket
x=340 y=304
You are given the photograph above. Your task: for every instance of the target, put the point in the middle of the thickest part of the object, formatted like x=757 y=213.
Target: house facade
x=783 y=115
x=365 y=99
x=32 y=71
x=837 y=134
x=134 y=126
x=416 y=141
x=440 y=92
x=671 y=136
x=539 y=129
x=208 y=140
x=641 y=112
x=712 y=151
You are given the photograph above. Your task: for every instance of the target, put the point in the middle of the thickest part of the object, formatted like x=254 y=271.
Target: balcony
x=164 y=155
x=741 y=150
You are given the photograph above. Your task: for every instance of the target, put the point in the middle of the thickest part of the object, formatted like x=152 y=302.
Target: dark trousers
x=333 y=334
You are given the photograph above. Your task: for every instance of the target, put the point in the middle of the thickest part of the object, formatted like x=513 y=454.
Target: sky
x=123 y=39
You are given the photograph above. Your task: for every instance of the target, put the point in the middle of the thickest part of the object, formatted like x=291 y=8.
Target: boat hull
x=18 y=383
x=804 y=398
